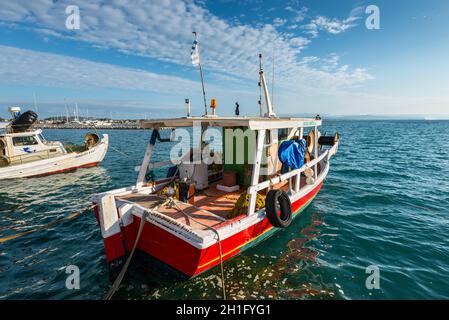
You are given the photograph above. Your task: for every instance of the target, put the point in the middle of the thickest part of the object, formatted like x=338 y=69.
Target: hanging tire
x=278 y=208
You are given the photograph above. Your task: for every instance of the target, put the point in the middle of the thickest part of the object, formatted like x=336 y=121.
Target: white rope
x=122 y=273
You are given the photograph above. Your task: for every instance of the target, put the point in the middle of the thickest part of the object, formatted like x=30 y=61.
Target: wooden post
x=256 y=170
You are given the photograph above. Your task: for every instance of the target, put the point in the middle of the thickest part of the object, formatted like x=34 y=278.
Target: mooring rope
x=110 y=146
x=124 y=269
x=169 y=201
x=45 y=226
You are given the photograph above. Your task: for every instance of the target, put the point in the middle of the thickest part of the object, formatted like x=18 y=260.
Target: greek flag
x=195 y=55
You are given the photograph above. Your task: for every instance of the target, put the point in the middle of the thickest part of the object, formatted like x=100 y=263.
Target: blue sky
x=131 y=59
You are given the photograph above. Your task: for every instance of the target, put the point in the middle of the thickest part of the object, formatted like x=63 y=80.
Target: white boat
x=24 y=152
x=206 y=212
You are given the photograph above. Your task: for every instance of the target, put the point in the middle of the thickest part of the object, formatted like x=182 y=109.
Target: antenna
x=272 y=81
x=260 y=86
x=270 y=112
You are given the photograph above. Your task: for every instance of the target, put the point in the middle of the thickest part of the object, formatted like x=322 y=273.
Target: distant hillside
x=372 y=117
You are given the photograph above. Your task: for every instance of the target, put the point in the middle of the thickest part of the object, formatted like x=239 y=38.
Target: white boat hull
x=60 y=164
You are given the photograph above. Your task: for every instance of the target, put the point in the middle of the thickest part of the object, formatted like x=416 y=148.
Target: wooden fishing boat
x=25 y=153
x=205 y=213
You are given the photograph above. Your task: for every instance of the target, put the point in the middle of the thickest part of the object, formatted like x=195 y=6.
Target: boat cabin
x=17 y=148
x=241 y=157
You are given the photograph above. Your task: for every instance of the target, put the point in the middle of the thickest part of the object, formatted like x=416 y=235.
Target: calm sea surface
x=385 y=203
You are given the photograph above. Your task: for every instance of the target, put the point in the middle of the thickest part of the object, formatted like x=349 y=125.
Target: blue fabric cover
x=291 y=153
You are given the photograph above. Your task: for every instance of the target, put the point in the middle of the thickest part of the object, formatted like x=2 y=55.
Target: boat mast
x=270 y=113
x=35 y=102
x=260 y=87
x=77 y=115
x=196 y=51
x=66 y=111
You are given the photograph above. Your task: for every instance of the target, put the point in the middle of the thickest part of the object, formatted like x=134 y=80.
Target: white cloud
x=332 y=25
x=163 y=31
x=299 y=42
x=279 y=22
x=300 y=14
x=20 y=66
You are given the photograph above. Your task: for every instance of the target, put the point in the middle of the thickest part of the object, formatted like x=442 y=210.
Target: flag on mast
x=195 y=54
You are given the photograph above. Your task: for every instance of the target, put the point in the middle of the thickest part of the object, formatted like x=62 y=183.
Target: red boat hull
x=183 y=256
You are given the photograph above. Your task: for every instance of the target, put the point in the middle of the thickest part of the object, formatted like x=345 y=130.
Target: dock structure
x=80 y=126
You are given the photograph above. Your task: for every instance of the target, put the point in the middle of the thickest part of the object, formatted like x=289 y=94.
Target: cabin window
x=282 y=134
x=24 y=141
x=41 y=137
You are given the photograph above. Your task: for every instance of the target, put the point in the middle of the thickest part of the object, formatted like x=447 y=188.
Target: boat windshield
x=41 y=137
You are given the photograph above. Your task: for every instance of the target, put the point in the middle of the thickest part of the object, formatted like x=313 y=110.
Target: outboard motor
x=15 y=112
x=24 y=121
x=91 y=140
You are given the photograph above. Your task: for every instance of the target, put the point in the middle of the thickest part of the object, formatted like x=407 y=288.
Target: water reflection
x=289 y=269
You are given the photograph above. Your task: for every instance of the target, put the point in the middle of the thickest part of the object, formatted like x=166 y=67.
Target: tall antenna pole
x=201 y=72
x=260 y=86
x=270 y=113
x=272 y=81
x=66 y=111
x=77 y=115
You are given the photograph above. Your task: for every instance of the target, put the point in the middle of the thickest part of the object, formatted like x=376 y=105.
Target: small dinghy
x=24 y=152
x=206 y=212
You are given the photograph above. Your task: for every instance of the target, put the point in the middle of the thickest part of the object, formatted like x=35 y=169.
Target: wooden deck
x=210 y=209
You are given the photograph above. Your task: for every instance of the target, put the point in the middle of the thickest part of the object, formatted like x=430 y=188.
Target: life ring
x=278 y=208
x=310 y=138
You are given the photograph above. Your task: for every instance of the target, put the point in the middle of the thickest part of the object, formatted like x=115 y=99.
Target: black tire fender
x=278 y=201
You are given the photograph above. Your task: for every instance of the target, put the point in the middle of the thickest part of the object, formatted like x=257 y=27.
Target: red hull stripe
x=185 y=257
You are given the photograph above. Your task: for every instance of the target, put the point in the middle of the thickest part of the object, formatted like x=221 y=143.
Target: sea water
x=384 y=206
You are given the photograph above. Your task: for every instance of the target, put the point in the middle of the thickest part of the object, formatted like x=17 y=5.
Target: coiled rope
x=170 y=202
x=45 y=226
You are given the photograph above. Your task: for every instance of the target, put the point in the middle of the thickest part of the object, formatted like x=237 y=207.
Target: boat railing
x=284 y=177
x=29 y=157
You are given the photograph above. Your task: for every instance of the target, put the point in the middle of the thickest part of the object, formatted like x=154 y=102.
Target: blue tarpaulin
x=291 y=153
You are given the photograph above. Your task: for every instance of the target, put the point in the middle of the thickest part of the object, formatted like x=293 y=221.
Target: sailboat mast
x=35 y=102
